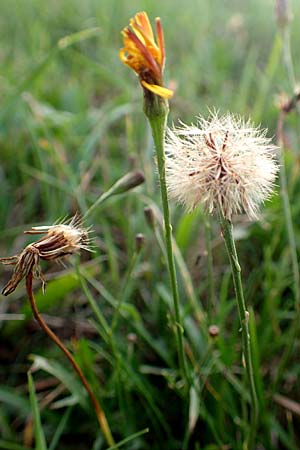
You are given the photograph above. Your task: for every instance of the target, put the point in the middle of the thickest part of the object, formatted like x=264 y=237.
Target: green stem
x=210 y=272
x=287 y=57
x=288 y=61
x=158 y=124
x=289 y=225
x=124 y=288
x=244 y=320
x=294 y=329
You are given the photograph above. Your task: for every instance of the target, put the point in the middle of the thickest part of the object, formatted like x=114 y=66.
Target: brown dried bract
x=59 y=240
x=27 y=261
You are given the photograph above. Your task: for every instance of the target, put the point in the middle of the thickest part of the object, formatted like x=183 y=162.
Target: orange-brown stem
x=99 y=411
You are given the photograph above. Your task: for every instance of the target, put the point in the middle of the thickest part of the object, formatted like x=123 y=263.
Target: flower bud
x=150 y=217
x=213 y=331
x=129 y=181
x=139 y=242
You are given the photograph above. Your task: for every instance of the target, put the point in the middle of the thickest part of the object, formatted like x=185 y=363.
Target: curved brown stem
x=99 y=411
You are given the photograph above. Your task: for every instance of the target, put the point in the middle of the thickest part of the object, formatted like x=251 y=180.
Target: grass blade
x=40 y=441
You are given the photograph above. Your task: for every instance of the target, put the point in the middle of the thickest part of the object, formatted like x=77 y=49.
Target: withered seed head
x=58 y=241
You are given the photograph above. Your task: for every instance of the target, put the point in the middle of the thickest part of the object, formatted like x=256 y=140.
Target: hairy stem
x=158 y=123
x=210 y=274
x=98 y=410
x=244 y=321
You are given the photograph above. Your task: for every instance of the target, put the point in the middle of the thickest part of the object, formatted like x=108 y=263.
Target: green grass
x=71 y=124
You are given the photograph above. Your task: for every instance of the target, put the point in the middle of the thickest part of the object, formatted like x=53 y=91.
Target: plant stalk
x=98 y=410
x=158 y=125
x=287 y=210
x=244 y=321
x=210 y=272
x=294 y=328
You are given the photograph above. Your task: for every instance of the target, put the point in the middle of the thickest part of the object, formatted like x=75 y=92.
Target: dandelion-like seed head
x=59 y=240
x=223 y=162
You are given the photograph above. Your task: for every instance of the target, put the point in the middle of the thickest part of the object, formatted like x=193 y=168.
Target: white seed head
x=222 y=161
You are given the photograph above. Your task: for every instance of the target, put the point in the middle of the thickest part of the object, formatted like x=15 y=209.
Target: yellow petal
x=143 y=21
x=158 y=90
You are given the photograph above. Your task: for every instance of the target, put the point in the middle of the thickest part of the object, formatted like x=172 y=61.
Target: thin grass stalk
x=287 y=210
x=123 y=294
x=244 y=321
x=158 y=124
x=287 y=56
x=294 y=329
x=288 y=62
x=98 y=410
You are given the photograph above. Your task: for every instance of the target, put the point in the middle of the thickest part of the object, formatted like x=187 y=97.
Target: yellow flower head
x=144 y=55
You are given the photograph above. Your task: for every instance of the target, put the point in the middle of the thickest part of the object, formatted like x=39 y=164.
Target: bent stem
x=244 y=321
x=157 y=116
x=98 y=410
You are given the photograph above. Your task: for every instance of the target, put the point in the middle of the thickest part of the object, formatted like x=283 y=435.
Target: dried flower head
x=145 y=54
x=222 y=162
x=58 y=241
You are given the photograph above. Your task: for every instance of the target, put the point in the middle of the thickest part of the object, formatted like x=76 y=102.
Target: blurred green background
x=71 y=124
